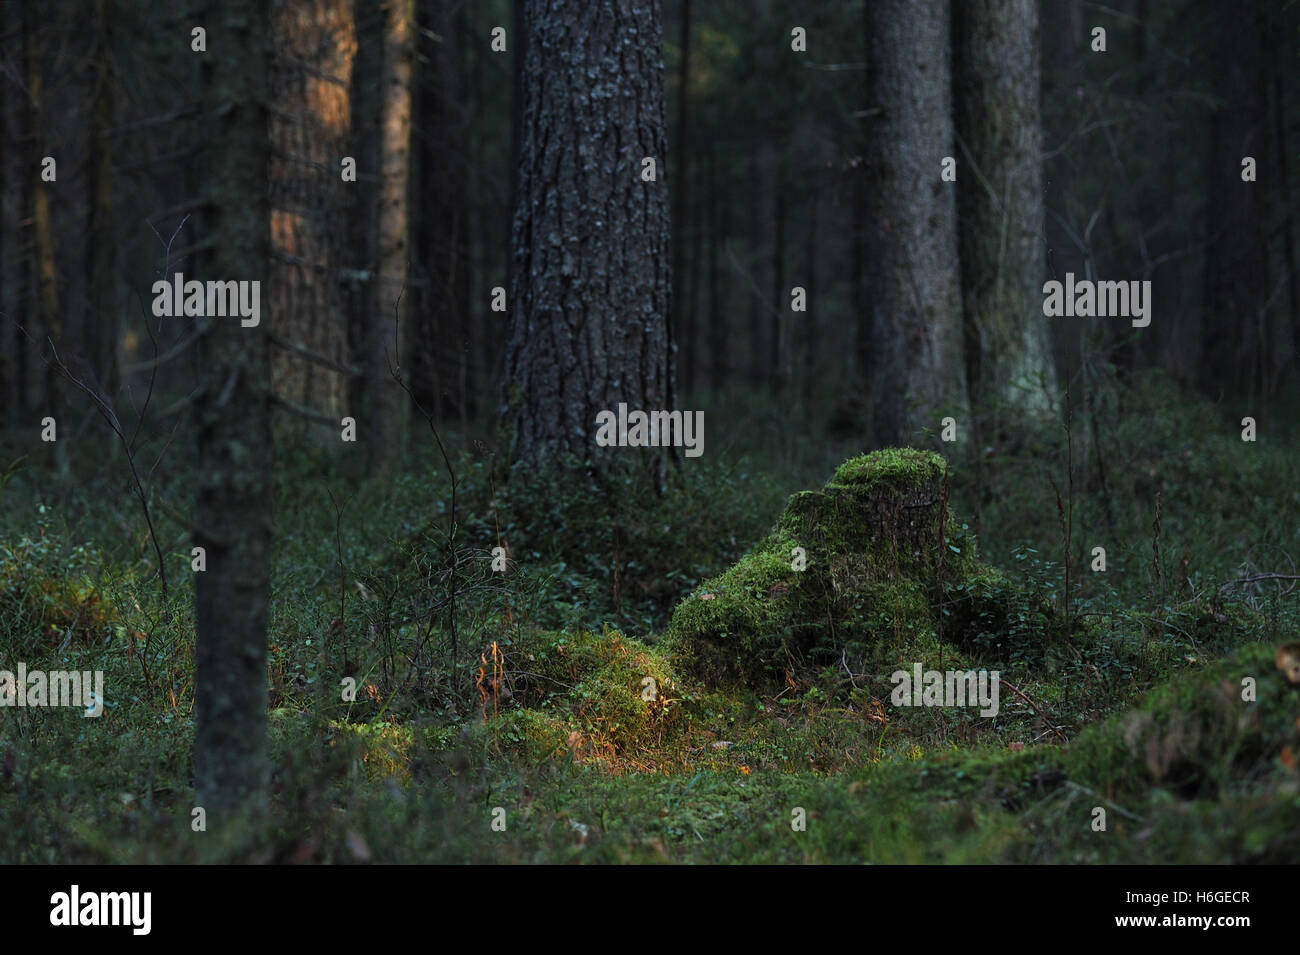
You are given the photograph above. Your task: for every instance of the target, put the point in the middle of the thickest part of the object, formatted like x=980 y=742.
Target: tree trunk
x=1008 y=350
x=314 y=44
x=718 y=365
x=102 y=314
x=14 y=252
x=912 y=291
x=234 y=434
x=387 y=409
x=1236 y=273
x=50 y=327
x=680 y=170
x=591 y=268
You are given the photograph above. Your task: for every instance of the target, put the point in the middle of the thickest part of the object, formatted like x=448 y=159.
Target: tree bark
x=681 y=171
x=314 y=46
x=1236 y=272
x=591 y=268
x=50 y=327
x=387 y=409
x=14 y=251
x=912 y=289
x=234 y=434
x=102 y=314
x=1008 y=349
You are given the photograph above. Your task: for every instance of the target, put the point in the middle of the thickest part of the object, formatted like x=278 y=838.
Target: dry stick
x=1054 y=728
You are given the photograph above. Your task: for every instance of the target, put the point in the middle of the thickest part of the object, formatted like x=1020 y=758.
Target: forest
x=649 y=431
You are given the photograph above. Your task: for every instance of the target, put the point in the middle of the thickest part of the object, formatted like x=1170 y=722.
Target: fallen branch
x=1052 y=726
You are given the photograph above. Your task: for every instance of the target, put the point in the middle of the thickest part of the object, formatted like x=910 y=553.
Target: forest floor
x=504 y=716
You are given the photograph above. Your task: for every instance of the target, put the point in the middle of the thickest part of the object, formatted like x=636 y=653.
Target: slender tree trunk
x=1008 y=349
x=680 y=169
x=690 y=310
x=913 y=279
x=1237 y=280
x=387 y=409
x=362 y=252
x=780 y=294
x=807 y=322
x=14 y=249
x=101 y=331
x=234 y=434
x=718 y=363
x=50 y=327
x=591 y=268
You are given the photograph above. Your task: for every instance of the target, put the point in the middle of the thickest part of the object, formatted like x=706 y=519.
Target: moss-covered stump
x=862 y=560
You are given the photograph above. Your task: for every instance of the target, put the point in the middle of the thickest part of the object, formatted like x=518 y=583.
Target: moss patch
x=859 y=564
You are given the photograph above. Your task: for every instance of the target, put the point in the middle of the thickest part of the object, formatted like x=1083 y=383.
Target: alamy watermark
x=1088 y=299
x=82 y=689
x=75 y=907
x=947 y=688
x=651 y=429
x=195 y=299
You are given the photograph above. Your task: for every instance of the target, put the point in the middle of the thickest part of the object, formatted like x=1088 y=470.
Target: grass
x=600 y=741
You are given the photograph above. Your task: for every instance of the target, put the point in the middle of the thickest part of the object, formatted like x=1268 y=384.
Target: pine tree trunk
x=14 y=254
x=912 y=292
x=591 y=268
x=50 y=328
x=1008 y=349
x=102 y=315
x=234 y=435
x=388 y=323
x=315 y=42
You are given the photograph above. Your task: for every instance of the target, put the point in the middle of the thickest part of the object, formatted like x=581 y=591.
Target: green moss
x=1195 y=736
x=600 y=696
x=892 y=469
x=865 y=561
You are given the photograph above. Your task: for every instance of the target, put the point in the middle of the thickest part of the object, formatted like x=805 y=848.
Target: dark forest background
x=393 y=478
x=764 y=169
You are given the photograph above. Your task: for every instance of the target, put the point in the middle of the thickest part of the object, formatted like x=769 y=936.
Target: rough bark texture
x=315 y=42
x=385 y=425
x=1000 y=200
x=233 y=418
x=591 y=266
x=912 y=290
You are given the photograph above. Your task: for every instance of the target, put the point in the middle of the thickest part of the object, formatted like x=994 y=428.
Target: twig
x=1034 y=705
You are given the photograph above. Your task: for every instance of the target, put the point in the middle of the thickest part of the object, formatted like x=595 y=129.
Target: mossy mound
x=862 y=562
x=598 y=696
x=1202 y=735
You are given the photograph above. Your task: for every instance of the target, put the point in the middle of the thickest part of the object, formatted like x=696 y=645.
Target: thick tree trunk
x=234 y=434
x=314 y=44
x=912 y=292
x=387 y=331
x=591 y=268
x=1008 y=349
